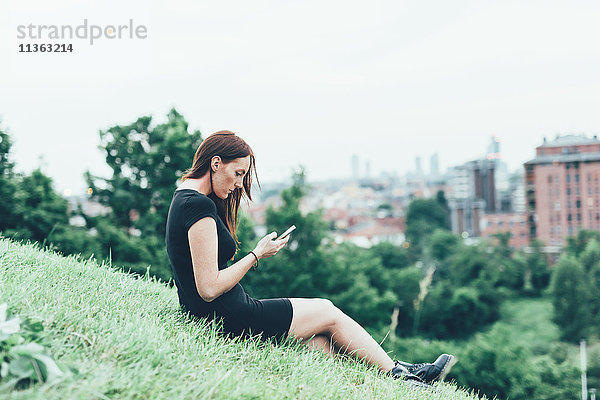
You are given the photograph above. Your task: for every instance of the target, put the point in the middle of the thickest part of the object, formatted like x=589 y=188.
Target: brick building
x=515 y=223
x=562 y=188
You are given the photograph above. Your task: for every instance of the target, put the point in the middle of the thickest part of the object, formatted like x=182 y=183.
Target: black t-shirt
x=187 y=207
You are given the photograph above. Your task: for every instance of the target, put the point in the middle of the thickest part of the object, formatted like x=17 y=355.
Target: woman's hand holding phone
x=270 y=245
x=286 y=233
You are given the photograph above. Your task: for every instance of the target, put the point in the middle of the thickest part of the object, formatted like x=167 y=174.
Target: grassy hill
x=127 y=339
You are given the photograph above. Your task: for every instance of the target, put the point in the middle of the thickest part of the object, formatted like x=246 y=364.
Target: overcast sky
x=306 y=82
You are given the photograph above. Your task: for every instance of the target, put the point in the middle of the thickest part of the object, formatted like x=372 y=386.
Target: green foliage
x=500 y=362
x=392 y=256
x=493 y=365
x=594 y=282
x=146 y=162
x=468 y=265
x=577 y=244
x=386 y=208
x=22 y=360
x=530 y=324
x=537 y=273
x=496 y=366
x=503 y=247
x=31 y=210
x=443 y=244
x=570 y=293
x=299 y=268
x=6 y=165
x=590 y=261
x=490 y=264
x=246 y=236
x=363 y=287
x=590 y=257
x=423 y=217
x=406 y=287
x=39 y=208
x=8 y=186
x=73 y=240
x=575 y=284
x=457 y=312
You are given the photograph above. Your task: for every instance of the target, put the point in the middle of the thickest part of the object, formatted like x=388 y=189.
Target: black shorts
x=245 y=316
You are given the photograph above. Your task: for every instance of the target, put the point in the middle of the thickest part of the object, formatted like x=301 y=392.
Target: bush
x=570 y=297
x=22 y=360
x=496 y=366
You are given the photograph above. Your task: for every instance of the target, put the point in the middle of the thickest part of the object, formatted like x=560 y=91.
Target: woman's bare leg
x=321 y=342
x=321 y=317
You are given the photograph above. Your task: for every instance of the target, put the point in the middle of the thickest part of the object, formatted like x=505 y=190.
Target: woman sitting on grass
x=201 y=238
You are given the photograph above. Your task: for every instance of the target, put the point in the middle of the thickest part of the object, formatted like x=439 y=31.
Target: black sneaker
x=401 y=372
x=431 y=373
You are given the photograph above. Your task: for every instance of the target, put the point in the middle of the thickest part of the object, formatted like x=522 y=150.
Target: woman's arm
x=210 y=282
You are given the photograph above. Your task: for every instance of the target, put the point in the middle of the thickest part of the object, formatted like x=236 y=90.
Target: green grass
x=128 y=340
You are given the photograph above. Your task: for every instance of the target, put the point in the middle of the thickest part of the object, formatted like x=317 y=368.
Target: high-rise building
x=562 y=188
x=493 y=150
x=473 y=193
x=501 y=176
x=418 y=167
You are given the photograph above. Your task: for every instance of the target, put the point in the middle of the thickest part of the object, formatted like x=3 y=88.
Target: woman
x=201 y=238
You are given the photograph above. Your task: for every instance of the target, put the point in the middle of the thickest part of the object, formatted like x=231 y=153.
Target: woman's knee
x=327 y=304
x=314 y=316
x=333 y=313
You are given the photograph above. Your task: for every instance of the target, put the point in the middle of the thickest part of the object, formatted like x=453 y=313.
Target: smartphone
x=284 y=234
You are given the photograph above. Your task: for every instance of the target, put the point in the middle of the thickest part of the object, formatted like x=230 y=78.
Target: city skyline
x=358 y=168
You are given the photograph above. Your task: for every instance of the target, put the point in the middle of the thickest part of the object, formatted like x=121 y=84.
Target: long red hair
x=228 y=146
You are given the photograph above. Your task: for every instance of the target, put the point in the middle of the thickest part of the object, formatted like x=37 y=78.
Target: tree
x=577 y=244
x=423 y=217
x=537 y=274
x=146 y=162
x=440 y=196
x=590 y=257
x=8 y=187
x=43 y=209
x=442 y=244
x=457 y=312
x=406 y=287
x=362 y=287
x=503 y=246
x=299 y=268
x=392 y=256
x=31 y=210
x=570 y=297
x=594 y=280
x=468 y=265
x=496 y=366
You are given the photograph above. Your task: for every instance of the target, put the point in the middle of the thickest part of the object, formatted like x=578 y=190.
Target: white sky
x=307 y=82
